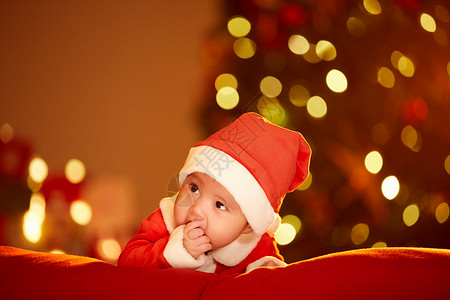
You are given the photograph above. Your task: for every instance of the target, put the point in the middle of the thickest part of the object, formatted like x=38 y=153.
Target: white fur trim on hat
x=239 y=182
x=275 y=224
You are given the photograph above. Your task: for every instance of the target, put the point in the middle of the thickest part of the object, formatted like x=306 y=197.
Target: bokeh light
x=379 y=245
x=356 y=27
x=239 y=26
x=386 y=78
x=294 y=221
x=359 y=233
x=298 y=44
x=325 y=50
x=6 y=133
x=372 y=7
x=75 y=171
x=441 y=13
x=244 y=48
x=299 y=95
x=336 y=81
x=395 y=57
x=270 y=86
x=272 y=110
x=442 y=212
x=34 y=218
x=311 y=55
x=373 y=162
x=37 y=205
x=440 y=36
x=33 y=185
x=390 y=187
x=224 y=80
x=411 y=215
x=81 y=212
x=306 y=184
x=38 y=169
x=428 y=23
x=411 y=138
x=285 y=234
x=316 y=107
x=109 y=249
x=406 y=66
x=32 y=227
x=447 y=164
x=340 y=235
x=227 y=98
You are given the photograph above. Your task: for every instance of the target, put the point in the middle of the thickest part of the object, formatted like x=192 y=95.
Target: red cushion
x=396 y=273
x=34 y=275
x=383 y=273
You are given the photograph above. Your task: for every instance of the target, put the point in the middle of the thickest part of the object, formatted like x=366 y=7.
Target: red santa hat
x=257 y=162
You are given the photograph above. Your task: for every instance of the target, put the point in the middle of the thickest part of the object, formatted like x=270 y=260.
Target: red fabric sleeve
x=147 y=246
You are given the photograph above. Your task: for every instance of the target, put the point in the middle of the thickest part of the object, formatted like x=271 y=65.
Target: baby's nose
x=198 y=210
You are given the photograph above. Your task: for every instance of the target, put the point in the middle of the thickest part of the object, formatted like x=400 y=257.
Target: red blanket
x=388 y=273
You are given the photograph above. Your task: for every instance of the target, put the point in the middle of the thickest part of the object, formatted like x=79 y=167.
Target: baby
x=226 y=211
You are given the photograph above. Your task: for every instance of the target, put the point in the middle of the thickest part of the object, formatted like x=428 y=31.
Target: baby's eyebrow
x=195 y=177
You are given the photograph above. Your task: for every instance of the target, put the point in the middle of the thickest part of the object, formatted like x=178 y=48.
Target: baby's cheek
x=216 y=237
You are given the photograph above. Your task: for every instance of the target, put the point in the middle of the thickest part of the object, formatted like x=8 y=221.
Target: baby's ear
x=247 y=229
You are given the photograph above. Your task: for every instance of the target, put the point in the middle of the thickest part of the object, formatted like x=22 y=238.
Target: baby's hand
x=270 y=263
x=195 y=241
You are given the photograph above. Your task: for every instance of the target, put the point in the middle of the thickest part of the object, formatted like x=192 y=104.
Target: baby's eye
x=194 y=188
x=220 y=205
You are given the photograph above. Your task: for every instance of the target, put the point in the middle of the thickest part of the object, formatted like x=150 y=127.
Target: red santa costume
x=258 y=163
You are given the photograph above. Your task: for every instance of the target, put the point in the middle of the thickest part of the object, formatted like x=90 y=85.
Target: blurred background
x=101 y=101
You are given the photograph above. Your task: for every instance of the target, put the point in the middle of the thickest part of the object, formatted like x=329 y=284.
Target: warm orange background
x=112 y=83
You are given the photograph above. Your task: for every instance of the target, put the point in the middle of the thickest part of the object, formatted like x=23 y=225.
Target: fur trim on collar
x=230 y=255
x=166 y=205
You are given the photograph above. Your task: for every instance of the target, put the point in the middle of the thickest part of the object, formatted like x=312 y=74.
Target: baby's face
x=203 y=198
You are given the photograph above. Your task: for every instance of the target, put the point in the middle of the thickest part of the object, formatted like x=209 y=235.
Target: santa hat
x=257 y=162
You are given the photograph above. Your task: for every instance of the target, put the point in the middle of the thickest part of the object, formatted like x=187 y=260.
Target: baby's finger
x=204 y=247
x=193 y=224
x=194 y=233
x=202 y=240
